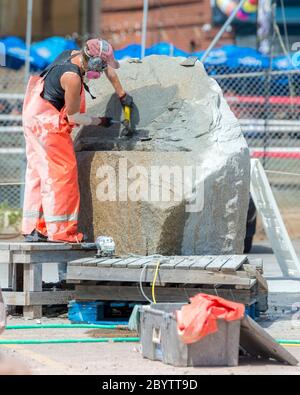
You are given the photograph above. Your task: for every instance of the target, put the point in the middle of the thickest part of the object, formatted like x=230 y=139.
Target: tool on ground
x=106 y=247
x=135 y=61
x=190 y=61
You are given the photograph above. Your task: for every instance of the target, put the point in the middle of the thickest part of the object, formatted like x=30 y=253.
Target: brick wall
x=177 y=21
x=57 y=18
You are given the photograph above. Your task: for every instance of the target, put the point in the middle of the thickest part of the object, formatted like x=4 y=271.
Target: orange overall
x=52 y=199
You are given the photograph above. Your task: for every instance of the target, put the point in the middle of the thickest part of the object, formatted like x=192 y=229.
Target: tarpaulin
x=199 y=319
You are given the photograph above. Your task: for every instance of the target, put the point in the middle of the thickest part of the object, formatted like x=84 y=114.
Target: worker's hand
x=106 y=122
x=126 y=100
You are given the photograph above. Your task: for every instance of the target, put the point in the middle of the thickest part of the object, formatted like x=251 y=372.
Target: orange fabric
x=52 y=199
x=199 y=319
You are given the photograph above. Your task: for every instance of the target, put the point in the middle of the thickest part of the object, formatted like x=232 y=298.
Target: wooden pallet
x=179 y=278
x=25 y=262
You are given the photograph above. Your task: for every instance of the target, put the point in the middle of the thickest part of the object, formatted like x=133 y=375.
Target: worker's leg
x=33 y=218
x=60 y=188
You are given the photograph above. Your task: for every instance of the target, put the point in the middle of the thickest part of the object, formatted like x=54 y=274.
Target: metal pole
x=145 y=27
x=28 y=39
x=223 y=30
x=23 y=161
x=95 y=17
x=92 y=17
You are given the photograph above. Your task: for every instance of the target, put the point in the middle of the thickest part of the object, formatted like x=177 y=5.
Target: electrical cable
x=141 y=283
x=142 y=276
x=154 y=282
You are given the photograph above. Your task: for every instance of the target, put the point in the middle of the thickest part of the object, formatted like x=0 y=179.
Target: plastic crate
x=97 y=313
x=160 y=340
x=86 y=312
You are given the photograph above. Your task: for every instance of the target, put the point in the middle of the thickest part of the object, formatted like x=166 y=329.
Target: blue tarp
x=228 y=58
x=15 y=51
x=41 y=55
x=51 y=48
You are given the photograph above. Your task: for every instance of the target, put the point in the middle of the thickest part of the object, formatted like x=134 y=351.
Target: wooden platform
x=179 y=278
x=25 y=262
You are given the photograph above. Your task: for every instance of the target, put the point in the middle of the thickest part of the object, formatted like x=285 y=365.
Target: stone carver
x=54 y=104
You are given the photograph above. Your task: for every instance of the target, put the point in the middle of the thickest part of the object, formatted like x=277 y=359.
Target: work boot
x=35 y=237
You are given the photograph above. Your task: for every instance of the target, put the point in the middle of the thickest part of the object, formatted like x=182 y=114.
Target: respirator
x=96 y=66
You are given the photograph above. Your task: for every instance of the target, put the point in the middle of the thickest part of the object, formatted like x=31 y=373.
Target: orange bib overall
x=52 y=198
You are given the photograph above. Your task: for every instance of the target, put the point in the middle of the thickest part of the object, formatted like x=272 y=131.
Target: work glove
x=126 y=100
x=105 y=122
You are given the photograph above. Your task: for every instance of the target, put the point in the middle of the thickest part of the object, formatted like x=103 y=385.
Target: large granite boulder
x=180 y=185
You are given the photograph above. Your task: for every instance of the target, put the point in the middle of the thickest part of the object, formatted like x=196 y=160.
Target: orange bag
x=199 y=319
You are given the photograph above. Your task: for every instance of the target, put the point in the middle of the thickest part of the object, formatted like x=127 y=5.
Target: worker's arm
x=72 y=85
x=125 y=98
x=115 y=81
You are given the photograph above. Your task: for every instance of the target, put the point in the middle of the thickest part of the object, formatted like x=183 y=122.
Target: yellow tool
x=127 y=131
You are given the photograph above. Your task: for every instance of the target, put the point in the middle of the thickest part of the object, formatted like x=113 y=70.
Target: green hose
x=68 y=341
x=289 y=342
x=65 y=326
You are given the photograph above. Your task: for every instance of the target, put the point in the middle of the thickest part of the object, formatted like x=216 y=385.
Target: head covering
x=101 y=48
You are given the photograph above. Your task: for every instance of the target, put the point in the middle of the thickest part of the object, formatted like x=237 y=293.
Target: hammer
x=127 y=131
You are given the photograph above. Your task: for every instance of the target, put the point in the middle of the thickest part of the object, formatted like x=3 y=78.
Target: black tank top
x=53 y=91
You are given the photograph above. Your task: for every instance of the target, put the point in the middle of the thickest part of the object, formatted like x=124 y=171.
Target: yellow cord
x=154 y=282
x=289 y=345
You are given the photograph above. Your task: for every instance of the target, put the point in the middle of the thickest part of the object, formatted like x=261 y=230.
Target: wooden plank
x=262 y=288
x=165 y=276
x=24 y=299
x=186 y=264
x=258 y=343
x=33 y=275
x=40 y=247
x=82 y=262
x=139 y=263
x=30 y=247
x=14 y=298
x=171 y=263
x=163 y=294
x=51 y=256
x=154 y=262
x=234 y=263
x=123 y=263
x=92 y=261
x=33 y=282
x=108 y=262
x=217 y=264
x=4 y=246
x=5 y=257
x=202 y=262
x=258 y=263
x=50 y=298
